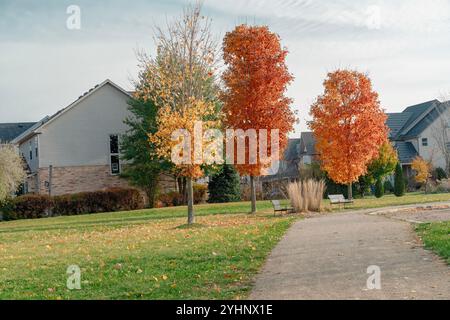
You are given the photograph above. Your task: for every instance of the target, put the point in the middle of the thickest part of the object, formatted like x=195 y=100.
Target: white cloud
x=404 y=15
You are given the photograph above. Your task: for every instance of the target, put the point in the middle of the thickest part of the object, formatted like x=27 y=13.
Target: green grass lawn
x=392 y=200
x=148 y=254
x=436 y=236
x=140 y=254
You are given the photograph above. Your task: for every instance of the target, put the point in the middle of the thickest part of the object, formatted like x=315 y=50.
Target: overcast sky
x=404 y=45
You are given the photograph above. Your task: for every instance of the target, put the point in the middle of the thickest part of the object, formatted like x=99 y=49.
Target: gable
x=85 y=96
x=419 y=112
x=79 y=134
x=414 y=120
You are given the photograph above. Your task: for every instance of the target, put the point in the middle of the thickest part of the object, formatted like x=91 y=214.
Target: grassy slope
x=436 y=237
x=391 y=200
x=138 y=255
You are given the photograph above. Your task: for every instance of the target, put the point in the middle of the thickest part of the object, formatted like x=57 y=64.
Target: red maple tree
x=255 y=81
x=349 y=126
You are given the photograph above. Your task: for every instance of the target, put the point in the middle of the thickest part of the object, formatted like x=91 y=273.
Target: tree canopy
x=348 y=124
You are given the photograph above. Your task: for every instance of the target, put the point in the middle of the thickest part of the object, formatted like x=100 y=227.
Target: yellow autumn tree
x=422 y=169
x=181 y=81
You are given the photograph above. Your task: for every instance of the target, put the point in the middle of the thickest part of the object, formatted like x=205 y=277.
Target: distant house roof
x=397 y=121
x=289 y=164
x=292 y=150
x=308 y=144
x=406 y=152
x=9 y=131
x=413 y=120
x=426 y=120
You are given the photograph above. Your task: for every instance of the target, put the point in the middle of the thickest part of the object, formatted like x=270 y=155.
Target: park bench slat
x=278 y=208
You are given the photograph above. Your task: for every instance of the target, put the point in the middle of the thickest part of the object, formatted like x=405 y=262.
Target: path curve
x=327 y=258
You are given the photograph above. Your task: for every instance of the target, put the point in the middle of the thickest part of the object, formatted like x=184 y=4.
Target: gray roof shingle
x=423 y=124
x=406 y=151
x=289 y=164
x=396 y=122
x=9 y=131
x=308 y=144
x=418 y=110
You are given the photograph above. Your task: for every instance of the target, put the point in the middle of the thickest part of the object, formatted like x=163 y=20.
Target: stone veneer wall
x=67 y=180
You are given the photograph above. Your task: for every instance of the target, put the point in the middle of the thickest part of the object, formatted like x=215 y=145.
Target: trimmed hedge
x=175 y=199
x=170 y=199
x=40 y=206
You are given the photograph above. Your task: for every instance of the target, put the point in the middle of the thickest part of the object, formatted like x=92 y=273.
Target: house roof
x=397 y=121
x=415 y=119
x=308 y=144
x=9 y=131
x=45 y=121
x=406 y=152
x=427 y=120
x=288 y=165
x=292 y=150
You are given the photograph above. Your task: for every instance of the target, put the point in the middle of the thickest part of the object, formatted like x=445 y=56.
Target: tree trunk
x=182 y=189
x=190 y=194
x=253 y=193
x=350 y=191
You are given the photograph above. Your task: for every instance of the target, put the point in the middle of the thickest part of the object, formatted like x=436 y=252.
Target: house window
x=115 y=165
x=114 y=143
x=425 y=142
x=36 y=152
x=448 y=146
x=114 y=154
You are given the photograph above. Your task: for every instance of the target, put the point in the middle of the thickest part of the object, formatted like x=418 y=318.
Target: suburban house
x=422 y=130
x=78 y=148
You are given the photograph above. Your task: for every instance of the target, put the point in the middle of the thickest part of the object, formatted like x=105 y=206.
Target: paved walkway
x=327 y=258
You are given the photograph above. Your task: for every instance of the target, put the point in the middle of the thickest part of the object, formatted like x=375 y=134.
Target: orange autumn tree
x=349 y=126
x=255 y=81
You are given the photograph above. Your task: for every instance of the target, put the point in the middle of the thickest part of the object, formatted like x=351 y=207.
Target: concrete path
x=327 y=258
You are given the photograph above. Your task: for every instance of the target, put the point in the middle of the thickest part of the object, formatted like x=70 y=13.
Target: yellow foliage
x=422 y=169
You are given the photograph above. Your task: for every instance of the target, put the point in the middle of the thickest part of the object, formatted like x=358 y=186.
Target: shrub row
x=174 y=198
x=41 y=206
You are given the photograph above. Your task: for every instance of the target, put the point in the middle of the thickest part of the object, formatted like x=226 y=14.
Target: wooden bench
x=339 y=199
x=278 y=208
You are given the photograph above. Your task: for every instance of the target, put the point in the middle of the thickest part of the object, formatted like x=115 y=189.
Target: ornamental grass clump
x=307 y=196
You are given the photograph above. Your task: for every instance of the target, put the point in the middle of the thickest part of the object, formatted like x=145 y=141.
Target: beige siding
x=80 y=136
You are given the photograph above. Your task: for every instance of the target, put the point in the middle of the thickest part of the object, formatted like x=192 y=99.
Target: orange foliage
x=349 y=125
x=255 y=83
